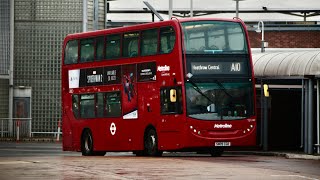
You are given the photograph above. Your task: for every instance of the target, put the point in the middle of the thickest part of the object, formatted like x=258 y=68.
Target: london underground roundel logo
x=113 y=129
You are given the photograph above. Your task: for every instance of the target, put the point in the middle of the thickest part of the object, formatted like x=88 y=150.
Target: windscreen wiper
x=223 y=88
x=196 y=87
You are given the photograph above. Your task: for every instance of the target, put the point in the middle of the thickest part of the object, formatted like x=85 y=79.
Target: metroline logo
x=163 y=68
x=223 y=125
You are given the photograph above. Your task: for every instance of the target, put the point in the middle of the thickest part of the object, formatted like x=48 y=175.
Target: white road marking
x=14 y=162
x=297 y=176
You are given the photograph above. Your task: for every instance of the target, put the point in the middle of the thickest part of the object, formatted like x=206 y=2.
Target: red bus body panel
x=175 y=132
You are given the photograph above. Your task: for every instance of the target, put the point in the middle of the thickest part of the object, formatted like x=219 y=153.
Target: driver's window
x=171 y=100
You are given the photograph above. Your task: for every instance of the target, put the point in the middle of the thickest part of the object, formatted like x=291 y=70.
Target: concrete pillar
x=265 y=123
x=305 y=124
x=318 y=117
x=310 y=117
x=10 y=124
x=96 y=15
x=84 y=16
x=170 y=9
x=302 y=114
x=191 y=8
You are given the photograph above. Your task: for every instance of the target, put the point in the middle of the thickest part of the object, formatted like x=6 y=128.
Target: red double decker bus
x=176 y=85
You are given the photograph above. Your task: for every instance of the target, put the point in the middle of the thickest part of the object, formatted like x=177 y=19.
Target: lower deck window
x=87 y=106
x=98 y=105
x=113 y=104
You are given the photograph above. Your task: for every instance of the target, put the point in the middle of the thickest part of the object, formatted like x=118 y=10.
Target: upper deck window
x=99 y=48
x=149 y=42
x=87 y=50
x=71 y=52
x=167 y=39
x=210 y=37
x=130 y=44
x=123 y=45
x=113 y=45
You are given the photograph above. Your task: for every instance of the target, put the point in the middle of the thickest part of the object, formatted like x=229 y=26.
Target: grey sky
x=218 y=5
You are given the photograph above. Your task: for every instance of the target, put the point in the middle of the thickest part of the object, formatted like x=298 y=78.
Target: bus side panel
x=148 y=113
x=67 y=135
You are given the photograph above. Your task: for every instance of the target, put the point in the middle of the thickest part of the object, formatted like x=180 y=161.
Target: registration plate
x=222 y=144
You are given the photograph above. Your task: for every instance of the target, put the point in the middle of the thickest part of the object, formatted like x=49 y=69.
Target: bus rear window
x=71 y=52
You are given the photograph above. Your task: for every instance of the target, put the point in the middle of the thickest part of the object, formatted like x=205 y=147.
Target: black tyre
x=139 y=153
x=216 y=152
x=99 y=153
x=87 y=143
x=151 y=143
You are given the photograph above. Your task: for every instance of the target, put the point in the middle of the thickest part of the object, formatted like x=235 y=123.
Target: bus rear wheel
x=87 y=143
x=151 y=143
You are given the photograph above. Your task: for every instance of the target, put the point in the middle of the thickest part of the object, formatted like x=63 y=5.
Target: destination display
x=205 y=68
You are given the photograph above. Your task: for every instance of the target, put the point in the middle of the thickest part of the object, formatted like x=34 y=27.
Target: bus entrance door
x=171 y=119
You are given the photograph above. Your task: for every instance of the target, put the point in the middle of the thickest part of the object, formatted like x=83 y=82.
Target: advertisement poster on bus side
x=129 y=93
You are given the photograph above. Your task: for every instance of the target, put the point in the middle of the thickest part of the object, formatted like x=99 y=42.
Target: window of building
x=149 y=42
x=171 y=100
x=86 y=50
x=130 y=44
x=87 y=106
x=71 y=52
x=99 y=48
x=113 y=45
x=113 y=104
x=167 y=39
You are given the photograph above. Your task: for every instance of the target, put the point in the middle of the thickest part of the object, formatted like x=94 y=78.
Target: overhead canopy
x=286 y=64
x=249 y=10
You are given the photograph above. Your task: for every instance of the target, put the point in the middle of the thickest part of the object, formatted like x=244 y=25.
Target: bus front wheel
x=216 y=152
x=151 y=143
x=87 y=143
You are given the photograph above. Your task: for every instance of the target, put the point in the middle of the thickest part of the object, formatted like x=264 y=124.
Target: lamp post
x=237 y=7
x=262 y=35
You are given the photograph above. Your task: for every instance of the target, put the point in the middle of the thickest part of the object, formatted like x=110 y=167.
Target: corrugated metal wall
x=40 y=27
x=4 y=36
x=4 y=56
x=4 y=98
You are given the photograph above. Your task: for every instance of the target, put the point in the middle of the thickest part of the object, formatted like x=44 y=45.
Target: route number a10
x=236 y=67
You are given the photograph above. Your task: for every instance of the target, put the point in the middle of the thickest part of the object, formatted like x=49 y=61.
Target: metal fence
x=20 y=128
x=15 y=128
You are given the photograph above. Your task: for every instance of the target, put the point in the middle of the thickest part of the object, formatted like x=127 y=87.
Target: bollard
x=59 y=129
x=18 y=130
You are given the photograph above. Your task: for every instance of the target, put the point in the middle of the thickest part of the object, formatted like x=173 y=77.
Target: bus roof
x=143 y=26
